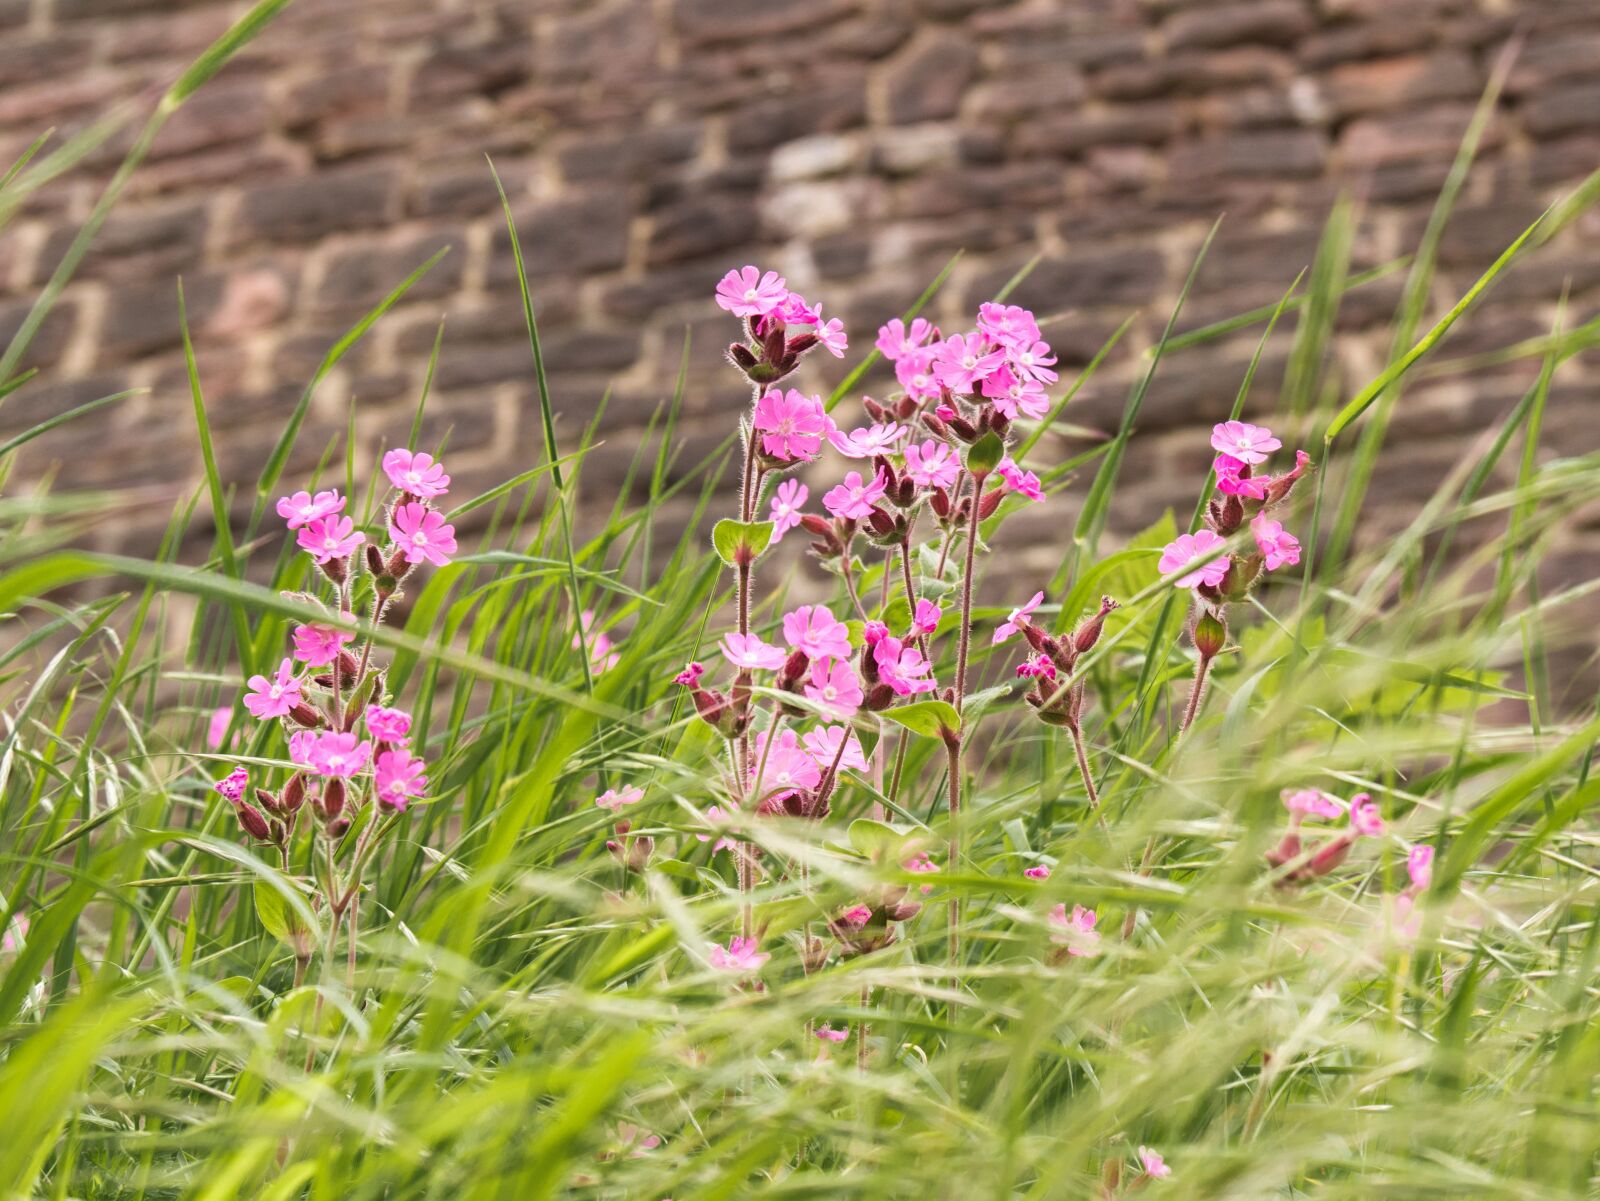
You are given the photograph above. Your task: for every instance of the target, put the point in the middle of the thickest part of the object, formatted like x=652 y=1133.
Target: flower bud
x=334 y=569
x=773 y=343
x=305 y=715
x=875 y=410
x=374 y=560
x=332 y=800
x=990 y=502
x=1210 y=634
x=294 y=794
x=338 y=827
x=1088 y=632
x=940 y=501
x=254 y=824
x=878 y=698
x=397 y=567
x=935 y=426
x=798 y=346
x=739 y=354
x=268 y=801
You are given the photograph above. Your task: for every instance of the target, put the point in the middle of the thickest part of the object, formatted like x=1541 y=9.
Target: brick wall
x=853 y=144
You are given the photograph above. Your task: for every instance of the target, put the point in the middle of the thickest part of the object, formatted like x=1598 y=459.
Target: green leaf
x=286 y=920
x=740 y=541
x=878 y=841
x=984 y=455
x=931 y=719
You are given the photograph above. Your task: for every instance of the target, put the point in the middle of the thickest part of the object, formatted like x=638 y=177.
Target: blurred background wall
x=854 y=145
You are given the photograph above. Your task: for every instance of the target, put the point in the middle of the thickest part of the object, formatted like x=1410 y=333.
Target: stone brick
x=164 y=239
x=1274 y=22
x=830 y=105
x=927 y=85
x=1397 y=83
x=483 y=66
x=51 y=338
x=316 y=205
x=700 y=225
x=1081 y=278
x=630 y=153
x=585 y=233
x=1267 y=153
x=1431 y=133
x=361 y=89
x=360 y=274
x=1146 y=124
x=1567 y=109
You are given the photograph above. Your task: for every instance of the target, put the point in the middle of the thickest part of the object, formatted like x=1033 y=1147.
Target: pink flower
x=1308 y=802
x=689 y=677
x=302 y=507
x=1419 y=866
x=902 y=667
x=614 y=800
x=816 y=633
x=1034 y=361
x=388 y=725
x=784 y=768
x=330 y=537
x=398 y=776
x=1017 y=480
x=273 y=698
x=895 y=341
x=1231 y=480
x=829 y=1035
x=13 y=934
x=834 y=687
x=1039 y=871
x=422 y=533
x=1038 y=667
x=718 y=815
x=1187 y=548
x=1011 y=624
x=748 y=293
x=1008 y=324
x=740 y=957
x=830 y=334
x=915 y=373
x=873 y=632
x=416 y=474
x=338 y=754
x=920 y=864
x=868 y=441
x=217 y=727
x=792 y=425
x=854 y=498
x=1364 y=815
x=601 y=657
x=822 y=744
x=747 y=650
x=854 y=917
x=1243 y=441
x=787 y=504
x=964 y=360
x=925 y=620
x=796 y=311
x=318 y=646
x=932 y=464
x=232 y=785
x=1152 y=1163
x=1016 y=397
x=300 y=744
x=1078 y=933
x=1280 y=549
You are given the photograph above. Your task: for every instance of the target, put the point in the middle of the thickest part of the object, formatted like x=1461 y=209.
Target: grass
x=522 y=1012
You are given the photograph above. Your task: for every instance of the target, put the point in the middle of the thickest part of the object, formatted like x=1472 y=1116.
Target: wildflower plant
x=882 y=856
x=353 y=769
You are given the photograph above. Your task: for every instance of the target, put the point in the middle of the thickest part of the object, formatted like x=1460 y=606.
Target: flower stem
x=1196 y=694
x=965 y=644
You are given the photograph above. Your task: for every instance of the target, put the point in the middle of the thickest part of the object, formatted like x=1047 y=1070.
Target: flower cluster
x=1054 y=657
x=929 y=461
x=1298 y=864
x=347 y=744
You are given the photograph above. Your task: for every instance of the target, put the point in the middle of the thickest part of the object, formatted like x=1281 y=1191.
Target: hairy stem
x=965 y=644
x=1196 y=694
